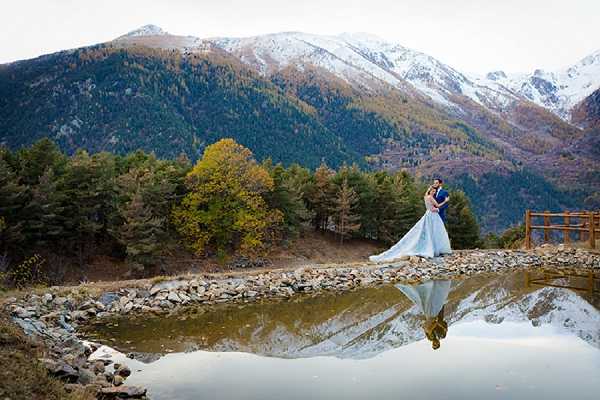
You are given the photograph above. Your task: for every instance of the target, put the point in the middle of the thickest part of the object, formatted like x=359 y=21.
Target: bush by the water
x=137 y=207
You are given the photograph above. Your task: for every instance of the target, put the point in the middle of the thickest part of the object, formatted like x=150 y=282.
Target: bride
x=428 y=238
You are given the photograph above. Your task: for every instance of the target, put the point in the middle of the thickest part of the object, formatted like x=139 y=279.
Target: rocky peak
x=146 y=30
x=496 y=75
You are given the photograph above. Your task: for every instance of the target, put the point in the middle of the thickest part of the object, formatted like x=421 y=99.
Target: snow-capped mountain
x=366 y=61
x=146 y=30
x=559 y=91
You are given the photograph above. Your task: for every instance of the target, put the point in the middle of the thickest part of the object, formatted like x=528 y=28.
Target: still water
x=515 y=336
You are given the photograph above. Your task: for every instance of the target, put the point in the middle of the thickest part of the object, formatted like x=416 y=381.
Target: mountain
x=110 y=99
x=558 y=91
x=297 y=97
x=587 y=112
x=146 y=30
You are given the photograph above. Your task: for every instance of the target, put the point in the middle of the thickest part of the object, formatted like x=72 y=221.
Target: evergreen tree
x=37 y=159
x=320 y=196
x=364 y=186
x=346 y=217
x=89 y=185
x=12 y=197
x=398 y=206
x=462 y=225
x=141 y=232
x=45 y=211
x=410 y=206
x=288 y=197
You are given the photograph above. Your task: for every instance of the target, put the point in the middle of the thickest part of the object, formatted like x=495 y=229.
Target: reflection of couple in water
x=430 y=298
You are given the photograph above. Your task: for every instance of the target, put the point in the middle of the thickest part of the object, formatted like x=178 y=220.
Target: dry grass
x=22 y=376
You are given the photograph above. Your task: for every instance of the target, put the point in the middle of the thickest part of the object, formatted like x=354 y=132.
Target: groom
x=442 y=197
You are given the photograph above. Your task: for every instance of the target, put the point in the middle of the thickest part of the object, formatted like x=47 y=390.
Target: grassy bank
x=22 y=376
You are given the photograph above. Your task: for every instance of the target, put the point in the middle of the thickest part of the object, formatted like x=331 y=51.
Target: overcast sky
x=470 y=35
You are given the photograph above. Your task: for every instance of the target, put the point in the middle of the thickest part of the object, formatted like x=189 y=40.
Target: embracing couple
x=428 y=238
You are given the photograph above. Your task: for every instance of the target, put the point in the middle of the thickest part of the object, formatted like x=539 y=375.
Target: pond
x=513 y=336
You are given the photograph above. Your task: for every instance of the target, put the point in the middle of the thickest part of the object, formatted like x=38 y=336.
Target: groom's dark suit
x=440 y=196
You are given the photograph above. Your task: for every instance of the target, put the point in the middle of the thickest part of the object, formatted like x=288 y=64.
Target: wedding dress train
x=428 y=238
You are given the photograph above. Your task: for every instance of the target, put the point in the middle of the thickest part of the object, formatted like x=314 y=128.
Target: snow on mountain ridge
x=146 y=30
x=559 y=91
x=365 y=61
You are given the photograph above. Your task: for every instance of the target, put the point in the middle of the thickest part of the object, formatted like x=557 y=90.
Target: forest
x=56 y=208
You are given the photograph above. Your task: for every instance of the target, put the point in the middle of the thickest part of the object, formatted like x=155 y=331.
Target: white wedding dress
x=428 y=238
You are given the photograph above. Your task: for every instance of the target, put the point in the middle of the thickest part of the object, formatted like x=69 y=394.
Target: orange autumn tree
x=225 y=209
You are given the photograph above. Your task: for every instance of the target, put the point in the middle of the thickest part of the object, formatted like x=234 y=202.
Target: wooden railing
x=585 y=223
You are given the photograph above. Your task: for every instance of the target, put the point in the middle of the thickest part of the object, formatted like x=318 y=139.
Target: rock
x=123 y=392
x=146 y=358
x=47 y=298
x=154 y=290
x=99 y=367
x=123 y=370
x=59 y=301
x=167 y=286
x=128 y=307
x=108 y=298
x=118 y=380
x=86 y=376
x=184 y=298
x=174 y=297
x=61 y=370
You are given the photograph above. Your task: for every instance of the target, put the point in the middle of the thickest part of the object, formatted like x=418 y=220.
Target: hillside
x=105 y=98
x=305 y=98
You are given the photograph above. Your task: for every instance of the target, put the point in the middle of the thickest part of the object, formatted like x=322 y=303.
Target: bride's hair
x=429 y=190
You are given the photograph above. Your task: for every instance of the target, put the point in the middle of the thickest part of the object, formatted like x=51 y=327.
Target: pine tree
x=37 y=159
x=45 y=211
x=347 y=220
x=410 y=206
x=288 y=197
x=12 y=197
x=462 y=225
x=141 y=232
x=89 y=185
x=320 y=196
x=364 y=185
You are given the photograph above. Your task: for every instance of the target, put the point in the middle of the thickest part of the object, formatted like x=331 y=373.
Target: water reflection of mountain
x=360 y=324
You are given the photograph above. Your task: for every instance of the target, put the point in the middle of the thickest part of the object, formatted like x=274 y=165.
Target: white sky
x=470 y=35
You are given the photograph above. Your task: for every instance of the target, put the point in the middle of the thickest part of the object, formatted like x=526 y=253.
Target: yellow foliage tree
x=224 y=208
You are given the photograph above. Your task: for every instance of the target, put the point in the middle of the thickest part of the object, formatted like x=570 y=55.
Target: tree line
x=137 y=207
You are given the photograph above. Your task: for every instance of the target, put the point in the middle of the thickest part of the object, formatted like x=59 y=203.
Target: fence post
x=546 y=223
x=566 y=233
x=528 y=229
x=592 y=231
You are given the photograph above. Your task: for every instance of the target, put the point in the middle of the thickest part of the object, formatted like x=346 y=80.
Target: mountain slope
x=104 y=98
x=587 y=112
x=559 y=91
x=305 y=98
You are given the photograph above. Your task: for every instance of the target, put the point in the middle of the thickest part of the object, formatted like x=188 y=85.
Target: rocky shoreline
x=56 y=315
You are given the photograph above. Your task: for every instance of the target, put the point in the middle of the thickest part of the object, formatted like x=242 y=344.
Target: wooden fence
x=579 y=281
x=586 y=224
